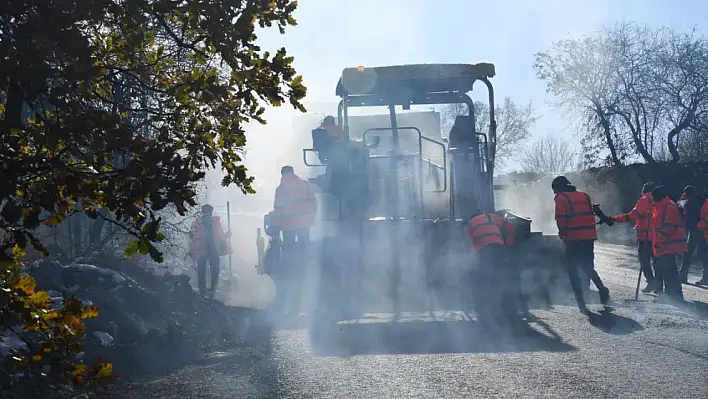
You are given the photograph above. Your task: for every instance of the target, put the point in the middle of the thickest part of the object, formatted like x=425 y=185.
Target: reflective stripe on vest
x=579 y=223
x=484 y=230
x=669 y=242
x=643 y=222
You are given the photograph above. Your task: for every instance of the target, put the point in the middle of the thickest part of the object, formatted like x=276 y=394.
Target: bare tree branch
x=632 y=86
x=514 y=123
x=550 y=154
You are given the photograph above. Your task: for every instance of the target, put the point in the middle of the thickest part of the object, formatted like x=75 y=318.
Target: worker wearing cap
x=575 y=219
x=669 y=240
x=207 y=243
x=295 y=210
x=703 y=227
x=490 y=236
x=640 y=215
x=691 y=203
x=330 y=146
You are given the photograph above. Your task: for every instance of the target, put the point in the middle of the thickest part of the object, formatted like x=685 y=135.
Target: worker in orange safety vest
x=332 y=128
x=669 y=240
x=575 y=219
x=207 y=242
x=703 y=227
x=489 y=230
x=691 y=204
x=295 y=210
x=498 y=295
x=640 y=215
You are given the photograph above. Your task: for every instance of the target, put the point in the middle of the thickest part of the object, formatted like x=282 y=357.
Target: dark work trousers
x=213 y=261
x=666 y=266
x=696 y=242
x=293 y=267
x=580 y=257
x=645 y=255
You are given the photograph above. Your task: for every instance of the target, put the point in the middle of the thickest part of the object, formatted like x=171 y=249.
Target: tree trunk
x=13 y=108
x=637 y=138
x=76 y=233
x=672 y=137
x=670 y=141
x=608 y=138
x=97 y=229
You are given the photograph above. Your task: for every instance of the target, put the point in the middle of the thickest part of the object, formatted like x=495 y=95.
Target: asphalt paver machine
x=395 y=243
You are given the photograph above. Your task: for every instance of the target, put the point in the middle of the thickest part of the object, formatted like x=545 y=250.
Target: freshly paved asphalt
x=639 y=349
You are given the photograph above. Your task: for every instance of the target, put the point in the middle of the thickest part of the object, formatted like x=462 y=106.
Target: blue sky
x=334 y=34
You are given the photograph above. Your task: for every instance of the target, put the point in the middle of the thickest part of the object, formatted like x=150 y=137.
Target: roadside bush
x=52 y=333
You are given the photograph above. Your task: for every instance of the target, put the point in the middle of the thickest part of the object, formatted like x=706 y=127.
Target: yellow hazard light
x=360 y=68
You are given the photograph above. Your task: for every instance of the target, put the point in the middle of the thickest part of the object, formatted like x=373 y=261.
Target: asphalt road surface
x=640 y=349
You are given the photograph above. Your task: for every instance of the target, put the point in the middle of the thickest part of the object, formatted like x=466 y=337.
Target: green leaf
x=132 y=248
x=144 y=247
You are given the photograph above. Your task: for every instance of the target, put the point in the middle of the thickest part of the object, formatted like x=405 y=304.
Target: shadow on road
x=435 y=338
x=560 y=297
x=696 y=308
x=615 y=324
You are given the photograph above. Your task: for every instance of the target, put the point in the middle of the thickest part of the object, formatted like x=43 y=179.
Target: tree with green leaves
x=116 y=109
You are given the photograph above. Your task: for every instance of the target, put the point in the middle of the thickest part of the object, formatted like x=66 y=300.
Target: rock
x=103 y=337
x=47 y=274
x=146 y=322
x=9 y=342
x=86 y=275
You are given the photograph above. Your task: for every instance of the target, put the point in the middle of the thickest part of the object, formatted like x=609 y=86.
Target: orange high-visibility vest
x=669 y=233
x=334 y=130
x=489 y=229
x=703 y=223
x=641 y=216
x=574 y=216
x=198 y=238
x=295 y=205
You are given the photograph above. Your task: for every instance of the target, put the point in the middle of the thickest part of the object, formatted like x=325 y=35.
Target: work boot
x=658 y=288
x=649 y=288
x=604 y=295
